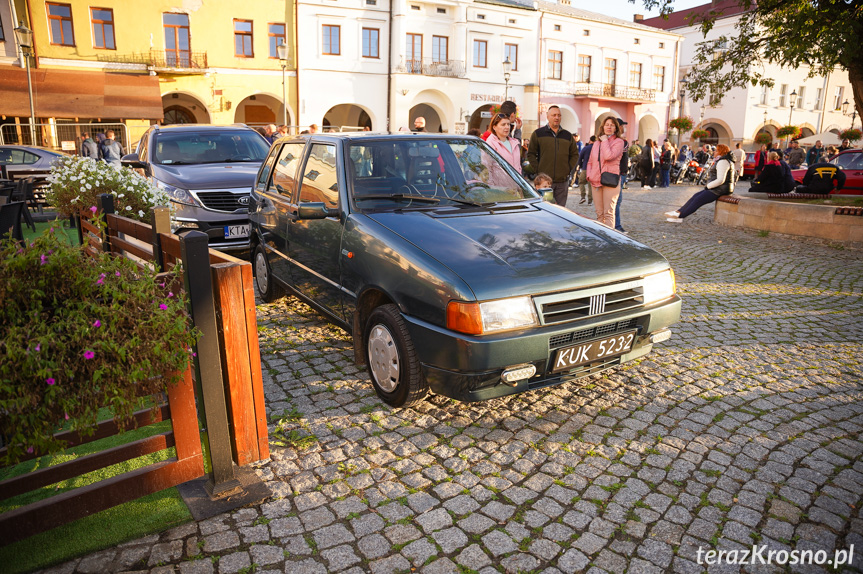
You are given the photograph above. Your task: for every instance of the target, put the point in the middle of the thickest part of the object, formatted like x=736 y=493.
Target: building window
x=801 y=92
x=60 y=23
x=276 y=36
x=371 y=43
x=371 y=2
x=782 y=92
x=243 y=39
x=659 y=78
x=818 y=94
x=480 y=49
x=765 y=91
x=584 y=69
x=414 y=53
x=512 y=20
x=635 y=76
x=480 y=16
x=837 y=99
x=2 y=34
x=610 y=71
x=441 y=10
x=557 y=27
x=440 y=49
x=178 y=50
x=510 y=51
x=332 y=43
x=637 y=41
x=415 y=7
x=555 y=64
x=586 y=33
x=102 y=20
x=661 y=45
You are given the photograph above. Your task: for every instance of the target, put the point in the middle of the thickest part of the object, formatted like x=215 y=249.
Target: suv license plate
x=232 y=231
x=590 y=351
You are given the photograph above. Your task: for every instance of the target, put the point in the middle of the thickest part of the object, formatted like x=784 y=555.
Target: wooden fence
x=231 y=404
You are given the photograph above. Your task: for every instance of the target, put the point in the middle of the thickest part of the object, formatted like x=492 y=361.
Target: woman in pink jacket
x=605 y=156
x=508 y=148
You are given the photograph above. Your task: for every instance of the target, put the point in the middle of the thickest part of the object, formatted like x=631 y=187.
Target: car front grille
x=613 y=298
x=594 y=332
x=222 y=200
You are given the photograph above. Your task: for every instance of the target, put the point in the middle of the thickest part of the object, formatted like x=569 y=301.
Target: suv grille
x=222 y=200
x=555 y=309
x=593 y=332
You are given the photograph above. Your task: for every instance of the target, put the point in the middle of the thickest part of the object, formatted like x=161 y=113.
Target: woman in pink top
x=605 y=156
x=508 y=148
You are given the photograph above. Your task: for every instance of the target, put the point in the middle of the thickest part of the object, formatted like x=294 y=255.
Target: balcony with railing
x=432 y=67
x=175 y=61
x=596 y=90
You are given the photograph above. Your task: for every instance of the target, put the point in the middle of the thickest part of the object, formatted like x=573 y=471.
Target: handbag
x=606 y=178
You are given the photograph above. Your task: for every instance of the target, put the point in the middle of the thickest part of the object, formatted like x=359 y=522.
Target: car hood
x=535 y=248
x=208 y=175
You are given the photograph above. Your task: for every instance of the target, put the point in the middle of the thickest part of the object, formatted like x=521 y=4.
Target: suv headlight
x=487 y=317
x=178 y=194
x=659 y=286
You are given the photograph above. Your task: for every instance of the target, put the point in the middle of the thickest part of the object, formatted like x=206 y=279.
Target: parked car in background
x=28 y=161
x=208 y=172
x=450 y=271
x=850 y=162
x=749 y=165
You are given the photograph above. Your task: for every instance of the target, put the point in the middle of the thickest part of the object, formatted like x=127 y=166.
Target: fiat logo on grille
x=597 y=304
x=243 y=200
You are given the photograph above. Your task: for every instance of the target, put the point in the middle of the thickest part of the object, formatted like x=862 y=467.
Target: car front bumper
x=469 y=368
x=213 y=223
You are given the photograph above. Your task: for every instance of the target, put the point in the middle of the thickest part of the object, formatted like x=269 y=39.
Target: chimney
x=637 y=17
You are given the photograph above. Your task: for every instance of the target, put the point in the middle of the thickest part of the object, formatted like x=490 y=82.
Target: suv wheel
x=263 y=276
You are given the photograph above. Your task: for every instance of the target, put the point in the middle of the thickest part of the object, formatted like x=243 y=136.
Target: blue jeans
x=666 y=177
x=617 y=225
x=697 y=201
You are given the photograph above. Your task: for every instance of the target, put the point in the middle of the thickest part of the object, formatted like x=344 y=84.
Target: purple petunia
x=163 y=307
x=43 y=259
x=97 y=323
x=89 y=354
x=93 y=208
x=38 y=347
x=51 y=381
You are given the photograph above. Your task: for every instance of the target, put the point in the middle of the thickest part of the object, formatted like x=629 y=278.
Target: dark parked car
x=851 y=163
x=450 y=271
x=207 y=171
x=28 y=161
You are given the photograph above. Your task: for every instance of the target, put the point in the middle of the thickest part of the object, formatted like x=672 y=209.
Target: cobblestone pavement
x=744 y=429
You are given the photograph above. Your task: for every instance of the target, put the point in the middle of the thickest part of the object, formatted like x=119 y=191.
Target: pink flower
x=89 y=354
x=170 y=294
x=100 y=281
x=163 y=307
x=38 y=347
x=117 y=273
x=51 y=381
x=97 y=323
x=93 y=209
x=66 y=415
x=43 y=259
x=30 y=450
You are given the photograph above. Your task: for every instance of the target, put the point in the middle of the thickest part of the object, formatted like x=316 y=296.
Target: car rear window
x=210 y=146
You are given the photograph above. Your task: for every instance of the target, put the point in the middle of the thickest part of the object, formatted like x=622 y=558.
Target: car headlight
x=475 y=318
x=659 y=286
x=178 y=194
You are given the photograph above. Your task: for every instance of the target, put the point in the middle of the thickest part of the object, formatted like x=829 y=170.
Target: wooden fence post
x=106 y=205
x=208 y=364
x=160 y=221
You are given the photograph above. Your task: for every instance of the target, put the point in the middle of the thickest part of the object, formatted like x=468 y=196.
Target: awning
x=80 y=94
x=827 y=138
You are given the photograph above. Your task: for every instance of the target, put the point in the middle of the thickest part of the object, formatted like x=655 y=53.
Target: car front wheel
x=392 y=360
x=264 y=278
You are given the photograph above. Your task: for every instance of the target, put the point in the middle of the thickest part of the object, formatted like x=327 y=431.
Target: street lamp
x=507 y=68
x=793 y=101
x=24 y=35
x=853 y=114
x=765 y=118
x=282 y=52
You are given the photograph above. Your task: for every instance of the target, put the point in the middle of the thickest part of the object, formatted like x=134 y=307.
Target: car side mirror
x=315 y=210
x=132 y=160
x=547 y=194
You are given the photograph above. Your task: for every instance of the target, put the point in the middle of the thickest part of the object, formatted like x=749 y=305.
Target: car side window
x=266 y=169
x=21 y=157
x=320 y=179
x=142 y=147
x=285 y=171
x=846 y=160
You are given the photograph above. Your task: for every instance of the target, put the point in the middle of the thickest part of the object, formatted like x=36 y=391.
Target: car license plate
x=236 y=231
x=590 y=351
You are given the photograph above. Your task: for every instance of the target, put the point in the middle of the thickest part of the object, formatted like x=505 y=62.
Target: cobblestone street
x=744 y=429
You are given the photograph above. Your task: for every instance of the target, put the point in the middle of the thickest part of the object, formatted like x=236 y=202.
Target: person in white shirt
x=739 y=155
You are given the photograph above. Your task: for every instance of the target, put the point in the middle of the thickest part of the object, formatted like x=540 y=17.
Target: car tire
x=392 y=361
x=267 y=287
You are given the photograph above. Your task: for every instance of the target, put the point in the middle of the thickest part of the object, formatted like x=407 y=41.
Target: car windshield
x=849 y=160
x=391 y=173
x=210 y=146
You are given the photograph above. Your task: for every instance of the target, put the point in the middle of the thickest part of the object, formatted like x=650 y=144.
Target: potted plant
x=77 y=182
x=852 y=134
x=763 y=138
x=698 y=134
x=788 y=132
x=78 y=333
x=682 y=124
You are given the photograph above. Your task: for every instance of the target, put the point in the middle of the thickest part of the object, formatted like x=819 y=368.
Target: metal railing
x=611 y=91
x=432 y=67
x=162 y=59
x=66 y=137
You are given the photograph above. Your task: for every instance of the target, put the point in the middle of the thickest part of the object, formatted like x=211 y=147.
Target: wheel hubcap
x=261 y=274
x=384 y=358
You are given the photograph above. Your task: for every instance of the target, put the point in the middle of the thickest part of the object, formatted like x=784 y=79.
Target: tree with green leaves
x=820 y=34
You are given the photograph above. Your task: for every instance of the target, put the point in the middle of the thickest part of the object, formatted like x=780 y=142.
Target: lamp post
x=507 y=68
x=845 y=105
x=24 y=35
x=793 y=101
x=282 y=52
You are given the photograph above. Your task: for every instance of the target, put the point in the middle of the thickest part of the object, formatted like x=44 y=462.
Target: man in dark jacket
x=822 y=177
x=111 y=149
x=553 y=150
x=89 y=148
x=584 y=185
x=796 y=155
x=813 y=156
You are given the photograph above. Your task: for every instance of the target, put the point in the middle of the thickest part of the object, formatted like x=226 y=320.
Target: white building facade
x=813 y=104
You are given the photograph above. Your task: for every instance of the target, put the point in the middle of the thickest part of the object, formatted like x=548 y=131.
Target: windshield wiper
x=474 y=203
x=409 y=196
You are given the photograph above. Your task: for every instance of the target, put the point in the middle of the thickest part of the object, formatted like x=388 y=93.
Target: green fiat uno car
x=450 y=271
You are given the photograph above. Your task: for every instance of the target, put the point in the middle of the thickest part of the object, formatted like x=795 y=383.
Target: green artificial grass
x=60 y=226
x=152 y=513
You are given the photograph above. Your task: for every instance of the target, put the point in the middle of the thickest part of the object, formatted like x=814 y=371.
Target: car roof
x=342 y=136
x=199 y=127
x=33 y=147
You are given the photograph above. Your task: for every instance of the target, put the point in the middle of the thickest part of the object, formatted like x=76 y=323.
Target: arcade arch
x=184 y=108
x=347 y=117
